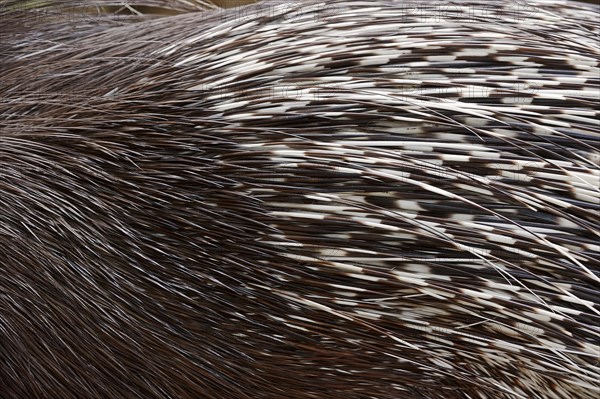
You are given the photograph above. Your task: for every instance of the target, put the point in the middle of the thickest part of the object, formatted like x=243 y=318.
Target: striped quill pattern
x=351 y=199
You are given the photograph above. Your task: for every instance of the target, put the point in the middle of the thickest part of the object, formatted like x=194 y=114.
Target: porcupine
x=314 y=200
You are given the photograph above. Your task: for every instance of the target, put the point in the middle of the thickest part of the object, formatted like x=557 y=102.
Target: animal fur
x=350 y=199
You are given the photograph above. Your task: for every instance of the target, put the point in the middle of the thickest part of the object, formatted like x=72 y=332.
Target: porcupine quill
x=311 y=200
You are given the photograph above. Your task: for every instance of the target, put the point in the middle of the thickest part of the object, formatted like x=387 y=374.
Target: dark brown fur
x=154 y=246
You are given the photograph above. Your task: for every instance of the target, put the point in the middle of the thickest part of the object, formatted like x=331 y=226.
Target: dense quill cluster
x=351 y=199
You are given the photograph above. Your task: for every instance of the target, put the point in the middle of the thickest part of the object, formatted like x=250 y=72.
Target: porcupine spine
x=318 y=200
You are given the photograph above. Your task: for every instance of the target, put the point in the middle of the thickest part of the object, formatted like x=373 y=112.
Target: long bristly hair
x=315 y=200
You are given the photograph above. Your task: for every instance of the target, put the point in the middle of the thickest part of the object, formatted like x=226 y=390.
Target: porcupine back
x=314 y=200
